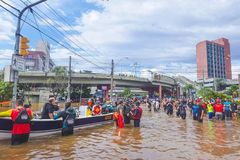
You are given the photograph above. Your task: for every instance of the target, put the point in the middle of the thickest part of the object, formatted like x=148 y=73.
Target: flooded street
x=160 y=137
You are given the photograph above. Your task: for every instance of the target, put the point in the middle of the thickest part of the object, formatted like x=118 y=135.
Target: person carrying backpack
x=68 y=115
x=21 y=118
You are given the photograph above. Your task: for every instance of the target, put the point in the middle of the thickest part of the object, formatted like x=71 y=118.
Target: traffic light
x=23 y=46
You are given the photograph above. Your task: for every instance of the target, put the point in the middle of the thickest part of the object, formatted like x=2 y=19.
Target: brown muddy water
x=160 y=137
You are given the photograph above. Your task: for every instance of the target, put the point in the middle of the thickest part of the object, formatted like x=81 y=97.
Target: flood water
x=160 y=137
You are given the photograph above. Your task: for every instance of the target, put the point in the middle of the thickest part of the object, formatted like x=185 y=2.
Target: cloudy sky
x=156 y=35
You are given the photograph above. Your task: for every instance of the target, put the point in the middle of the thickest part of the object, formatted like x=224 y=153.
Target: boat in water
x=43 y=127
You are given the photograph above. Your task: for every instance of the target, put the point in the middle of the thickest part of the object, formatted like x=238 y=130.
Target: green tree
x=207 y=94
x=58 y=83
x=220 y=84
x=5 y=90
x=1 y=75
x=232 y=91
x=22 y=88
x=188 y=88
x=76 y=91
x=126 y=93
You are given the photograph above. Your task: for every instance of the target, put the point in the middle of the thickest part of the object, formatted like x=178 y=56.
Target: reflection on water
x=160 y=137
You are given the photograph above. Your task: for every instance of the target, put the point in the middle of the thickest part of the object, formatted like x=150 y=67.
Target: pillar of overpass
x=178 y=92
x=106 y=94
x=160 y=91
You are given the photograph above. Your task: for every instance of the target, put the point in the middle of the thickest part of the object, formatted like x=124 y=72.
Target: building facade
x=214 y=59
x=39 y=60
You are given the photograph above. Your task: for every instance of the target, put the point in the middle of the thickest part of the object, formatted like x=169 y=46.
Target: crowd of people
x=128 y=110
x=124 y=111
x=219 y=109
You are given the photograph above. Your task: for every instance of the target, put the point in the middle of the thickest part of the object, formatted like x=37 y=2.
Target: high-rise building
x=39 y=60
x=214 y=59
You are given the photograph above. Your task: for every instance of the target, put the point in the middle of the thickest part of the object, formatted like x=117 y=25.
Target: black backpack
x=23 y=117
x=69 y=121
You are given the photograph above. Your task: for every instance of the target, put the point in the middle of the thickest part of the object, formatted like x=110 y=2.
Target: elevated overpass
x=93 y=79
x=163 y=85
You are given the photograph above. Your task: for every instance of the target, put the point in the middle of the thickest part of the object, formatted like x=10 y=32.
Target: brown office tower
x=214 y=59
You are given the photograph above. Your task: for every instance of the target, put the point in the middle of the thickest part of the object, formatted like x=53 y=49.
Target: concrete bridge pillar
x=160 y=91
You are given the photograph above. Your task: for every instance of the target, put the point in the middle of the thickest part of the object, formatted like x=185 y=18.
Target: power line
x=58 y=25
x=10 y=6
x=75 y=53
x=62 y=18
x=55 y=29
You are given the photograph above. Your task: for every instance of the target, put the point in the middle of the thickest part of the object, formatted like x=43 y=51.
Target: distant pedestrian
x=137 y=114
x=210 y=110
x=234 y=109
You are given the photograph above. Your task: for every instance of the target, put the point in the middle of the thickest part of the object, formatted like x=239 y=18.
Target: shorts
x=220 y=115
x=210 y=115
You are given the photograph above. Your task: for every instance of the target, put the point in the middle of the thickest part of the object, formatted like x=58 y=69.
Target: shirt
x=234 y=107
x=218 y=107
x=210 y=108
x=227 y=105
x=195 y=108
x=48 y=108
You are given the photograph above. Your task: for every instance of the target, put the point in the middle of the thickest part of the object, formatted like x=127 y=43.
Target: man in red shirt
x=218 y=108
x=137 y=114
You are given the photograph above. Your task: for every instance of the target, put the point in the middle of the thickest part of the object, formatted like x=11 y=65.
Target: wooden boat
x=42 y=127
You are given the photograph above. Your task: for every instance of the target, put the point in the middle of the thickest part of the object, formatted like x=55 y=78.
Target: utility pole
x=16 y=50
x=112 y=73
x=81 y=94
x=69 y=79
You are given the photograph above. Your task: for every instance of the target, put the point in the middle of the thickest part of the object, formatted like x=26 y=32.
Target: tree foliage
x=188 y=88
x=126 y=93
x=232 y=91
x=58 y=83
x=5 y=91
x=207 y=94
x=22 y=88
x=75 y=94
x=220 y=84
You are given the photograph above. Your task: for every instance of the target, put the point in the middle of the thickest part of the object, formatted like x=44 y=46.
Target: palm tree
x=188 y=88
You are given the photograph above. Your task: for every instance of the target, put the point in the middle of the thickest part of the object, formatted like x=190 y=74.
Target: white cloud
x=7 y=27
x=5 y=57
x=158 y=34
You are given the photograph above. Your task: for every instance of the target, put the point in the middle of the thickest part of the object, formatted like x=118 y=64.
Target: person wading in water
x=68 y=116
x=137 y=114
x=21 y=118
